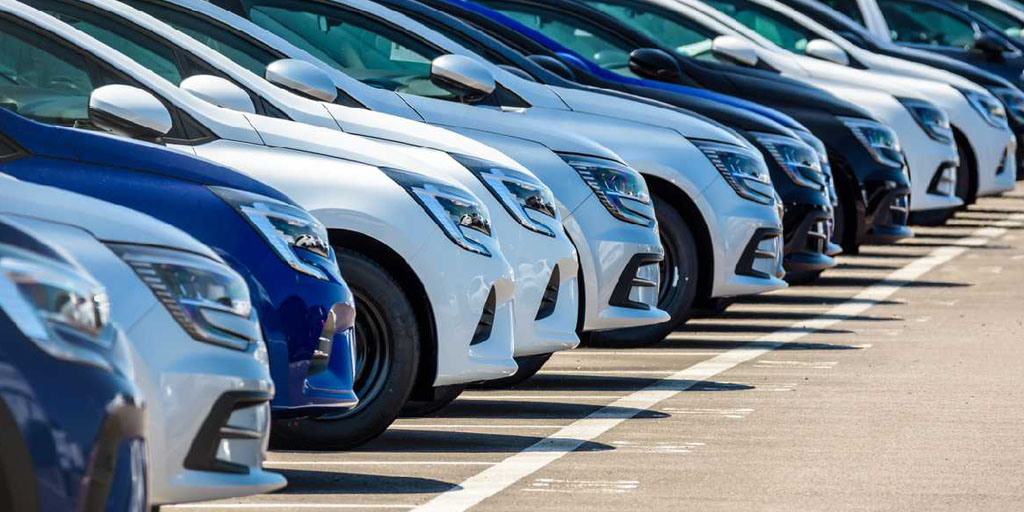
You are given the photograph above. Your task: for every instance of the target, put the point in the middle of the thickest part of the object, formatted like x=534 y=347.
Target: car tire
x=528 y=367
x=802 y=277
x=845 y=218
x=932 y=217
x=443 y=396
x=680 y=271
x=388 y=345
x=965 y=175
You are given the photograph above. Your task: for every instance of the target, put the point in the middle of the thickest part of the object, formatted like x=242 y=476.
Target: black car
x=1008 y=92
x=803 y=185
x=872 y=194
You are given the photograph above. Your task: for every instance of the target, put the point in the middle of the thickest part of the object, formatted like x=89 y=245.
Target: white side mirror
x=219 y=92
x=129 y=112
x=302 y=78
x=827 y=50
x=462 y=76
x=735 y=49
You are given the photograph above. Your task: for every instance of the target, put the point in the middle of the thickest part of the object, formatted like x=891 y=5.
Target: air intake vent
x=550 y=298
x=483 y=328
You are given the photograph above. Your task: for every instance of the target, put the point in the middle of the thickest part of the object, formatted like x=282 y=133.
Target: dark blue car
x=71 y=428
x=305 y=308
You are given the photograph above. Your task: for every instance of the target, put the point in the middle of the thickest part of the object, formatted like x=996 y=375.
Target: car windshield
x=777 y=28
x=848 y=8
x=1010 y=25
x=592 y=42
x=922 y=24
x=684 y=37
x=366 y=49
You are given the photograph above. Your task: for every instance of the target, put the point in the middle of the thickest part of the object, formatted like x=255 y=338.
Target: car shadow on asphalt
x=729 y=345
x=411 y=440
x=581 y=382
x=483 y=408
x=799 y=315
x=754 y=329
x=860 y=266
x=784 y=299
x=859 y=282
x=311 y=482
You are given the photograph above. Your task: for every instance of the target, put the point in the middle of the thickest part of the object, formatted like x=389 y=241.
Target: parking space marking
x=661 y=447
x=282 y=463
x=287 y=506
x=814 y=365
x=574 y=486
x=482 y=425
x=539 y=397
x=501 y=476
x=606 y=372
x=734 y=413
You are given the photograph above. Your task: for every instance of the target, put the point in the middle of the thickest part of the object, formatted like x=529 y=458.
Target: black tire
x=680 y=271
x=844 y=218
x=528 y=367
x=965 y=174
x=803 y=277
x=442 y=397
x=388 y=351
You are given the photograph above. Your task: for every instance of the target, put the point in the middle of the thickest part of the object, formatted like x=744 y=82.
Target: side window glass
x=9 y=150
x=239 y=49
x=117 y=34
x=922 y=24
x=366 y=49
x=1008 y=24
x=683 y=37
x=846 y=7
x=42 y=80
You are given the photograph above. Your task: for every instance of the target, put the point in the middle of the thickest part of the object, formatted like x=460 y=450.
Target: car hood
x=105 y=221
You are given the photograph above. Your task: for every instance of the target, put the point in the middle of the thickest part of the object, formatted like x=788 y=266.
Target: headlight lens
x=525 y=198
x=744 y=170
x=290 y=230
x=826 y=167
x=988 y=107
x=932 y=119
x=621 y=189
x=208 y=299
x=60 y=308
x=880 y=140
x=1013 y=100
x=462 y=217
x=800 y=161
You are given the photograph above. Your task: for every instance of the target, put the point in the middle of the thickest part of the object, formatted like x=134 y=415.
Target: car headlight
x=826 y=167
x=1013 y=100
x=990 y=109
x=288 y=229
x=932 y=119
x=461 y=216
x=880 y=140
x=800 y=161
x=207 y=298
x=63 y=310
x=744 y=170
x=525 y=198
x=621 y=189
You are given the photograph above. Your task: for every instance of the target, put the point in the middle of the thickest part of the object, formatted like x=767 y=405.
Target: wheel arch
x=691 y=214
x=396 y=265
x=964 y=144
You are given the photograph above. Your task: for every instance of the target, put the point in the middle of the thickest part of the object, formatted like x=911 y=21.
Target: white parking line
x=539 y=397
x=520 y=465
x=606 y=372
x=286 y=506
x=281 y=463
x=446 y=427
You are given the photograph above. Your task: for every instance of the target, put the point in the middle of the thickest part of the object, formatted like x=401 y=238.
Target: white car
x=979 y=133
x=523 y=210
x=418 y=252
x=612 y=249
x=977 y=119
x=220 y=407
x=720 y=216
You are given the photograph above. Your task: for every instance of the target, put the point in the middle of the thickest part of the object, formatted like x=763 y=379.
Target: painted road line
x=499 y=477
x=605 y=372
x=286 y=506
x=446 y=427
x=540 y=397
x=281 y=463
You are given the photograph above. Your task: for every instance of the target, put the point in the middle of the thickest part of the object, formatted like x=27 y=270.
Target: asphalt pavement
x=896 y=382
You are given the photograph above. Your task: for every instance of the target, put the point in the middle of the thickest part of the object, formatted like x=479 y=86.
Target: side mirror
x=129 y=112
x=655 y=64
x=218 y=91
x=555 y=66
x=734 y=49
x=302 y=78
x=827 y=50
x=462 y=76
x=989 y=44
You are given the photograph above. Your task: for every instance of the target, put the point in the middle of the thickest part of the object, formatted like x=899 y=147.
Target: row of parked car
x=230 y=222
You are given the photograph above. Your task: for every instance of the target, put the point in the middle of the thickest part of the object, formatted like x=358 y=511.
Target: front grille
x=486 y=323
x=550 y=298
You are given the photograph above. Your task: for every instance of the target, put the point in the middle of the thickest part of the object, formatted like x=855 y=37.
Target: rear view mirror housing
x=219 y=92
x=735 y=50
x=827 y=50
x=554 y=65
x=462 y=76
x=302 y=78
x=655 y=64
x=129 y=112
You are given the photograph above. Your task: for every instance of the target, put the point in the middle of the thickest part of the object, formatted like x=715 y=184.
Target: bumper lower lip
x=630 y=280
x=889 y=211
x=807 y=246
x=202 y=455
x=756 y=251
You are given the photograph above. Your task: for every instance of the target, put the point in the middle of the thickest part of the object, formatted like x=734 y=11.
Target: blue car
x=305 y=308
x=62 y=451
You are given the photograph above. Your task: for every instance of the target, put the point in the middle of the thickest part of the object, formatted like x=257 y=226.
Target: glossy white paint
x=179 y=376
x=533 y=256
x=898 y=78
x=649 y=138
x=337 y=177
